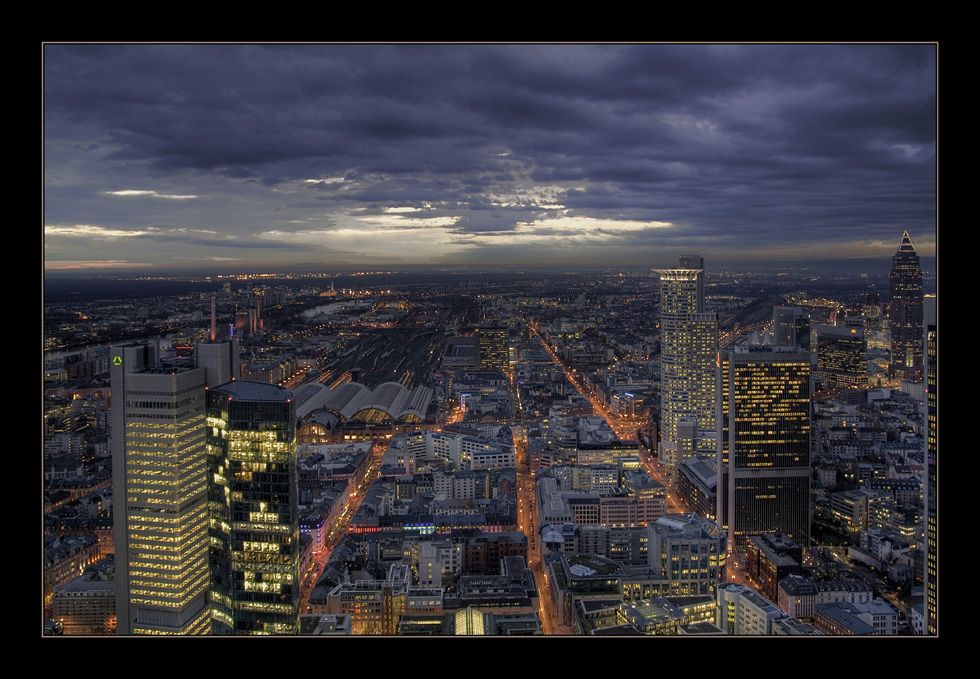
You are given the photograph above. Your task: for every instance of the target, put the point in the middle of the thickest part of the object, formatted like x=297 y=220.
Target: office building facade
x=493 y=348
x=689 y=341
x=905 y=312
x=791 y=327
x=160 y=489
x=764 y=442
x=932 y=465
x=842 y=356
x=742 y=611
x=254 y=519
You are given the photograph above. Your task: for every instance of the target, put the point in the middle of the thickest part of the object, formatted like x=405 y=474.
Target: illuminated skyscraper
x=689 y=341
x=905 y=312
x=764 y=442
x=160 y=489
x=252 y=497
x=493 y=348
x=159 y=481
x=932 y=461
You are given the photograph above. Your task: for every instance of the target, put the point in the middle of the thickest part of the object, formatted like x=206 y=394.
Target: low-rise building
x=87 y=604
x=743 y=611
x=770 y=557
x=799 y=595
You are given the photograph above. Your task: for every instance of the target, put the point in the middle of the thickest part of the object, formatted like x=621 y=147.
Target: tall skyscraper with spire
x=905 y=312
x=689 y=342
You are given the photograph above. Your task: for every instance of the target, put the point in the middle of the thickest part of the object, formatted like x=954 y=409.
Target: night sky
x=243 y=157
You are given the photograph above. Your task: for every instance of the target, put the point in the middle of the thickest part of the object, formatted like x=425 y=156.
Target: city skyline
x=164 y=157
x=559 y=460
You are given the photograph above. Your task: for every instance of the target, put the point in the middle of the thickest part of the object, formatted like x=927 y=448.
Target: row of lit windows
x=170 y=499
x=222 y=616
x=281 y=528
x=162 y=456
x=190 y=580
x=170 y=567
x=161 y=542
x=239 y=558
x=265 y=587
x=252 y=546
x=241 y=435
x=181 y=430
x=261 y=456
x=184 y=482
x=169 y=587
x=167 y=446
x=155 y=554
x=187 y=487
x=155 y=598
x=165 y=529
x=153 y=416
x=157 y=557
x=163 y=427
x=264 y=607
x=189 y=482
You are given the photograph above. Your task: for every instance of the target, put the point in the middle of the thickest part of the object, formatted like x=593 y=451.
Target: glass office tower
x=842 y=356
x=252 y=498
x=765 y=454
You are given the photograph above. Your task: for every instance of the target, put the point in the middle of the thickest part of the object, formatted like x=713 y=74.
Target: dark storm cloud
x=774 y=141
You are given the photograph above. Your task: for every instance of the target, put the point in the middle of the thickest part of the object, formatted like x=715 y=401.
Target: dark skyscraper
x=791 y=327
x=252 y=498
x=764 y=436
x=842 y=356
x=905 y=312
x=932 y=447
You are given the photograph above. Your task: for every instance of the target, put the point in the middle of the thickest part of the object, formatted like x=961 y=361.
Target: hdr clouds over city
x=235 y=157
x=499 y=340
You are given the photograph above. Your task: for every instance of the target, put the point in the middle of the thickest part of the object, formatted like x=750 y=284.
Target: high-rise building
x=160 y=485
x=842 y=356
x=689 y=341
x=872 y=312
x=252 y=497
x=932 y=466
x=493 y=347
x=791 y=327
x=221 y=361
x=764 y=442
x=905 y=312
x=160 y=489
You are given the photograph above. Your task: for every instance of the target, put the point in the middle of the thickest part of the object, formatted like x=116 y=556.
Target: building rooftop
x=255 y=391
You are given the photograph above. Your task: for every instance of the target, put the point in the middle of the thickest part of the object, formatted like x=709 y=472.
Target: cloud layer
x=270 y=155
